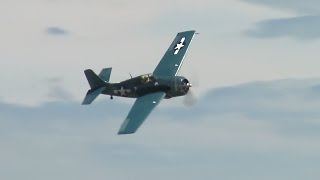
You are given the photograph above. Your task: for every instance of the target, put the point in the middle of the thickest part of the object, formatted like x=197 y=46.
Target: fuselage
x=148 y=83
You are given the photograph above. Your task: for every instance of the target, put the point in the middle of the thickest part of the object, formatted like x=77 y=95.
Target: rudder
x=94 y=80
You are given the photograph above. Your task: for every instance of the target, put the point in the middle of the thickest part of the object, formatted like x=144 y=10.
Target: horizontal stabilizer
x=92 y=95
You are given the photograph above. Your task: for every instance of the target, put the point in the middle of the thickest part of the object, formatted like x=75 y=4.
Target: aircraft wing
x=173 y=58
x=140 y=111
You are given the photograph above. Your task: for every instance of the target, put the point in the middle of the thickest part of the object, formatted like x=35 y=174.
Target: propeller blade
x=189 y=99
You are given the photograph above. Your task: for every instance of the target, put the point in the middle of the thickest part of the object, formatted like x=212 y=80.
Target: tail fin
x=97 y=84
x=94 y=80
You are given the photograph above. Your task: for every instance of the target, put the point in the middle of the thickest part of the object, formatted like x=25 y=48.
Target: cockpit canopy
x=146 y=78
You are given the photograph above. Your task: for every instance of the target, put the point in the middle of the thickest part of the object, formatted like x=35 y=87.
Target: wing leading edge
x=140 y=111
x=173 y=58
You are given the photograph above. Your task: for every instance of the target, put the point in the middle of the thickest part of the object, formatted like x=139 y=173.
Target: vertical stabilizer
x=94 y=80
x=97 y=84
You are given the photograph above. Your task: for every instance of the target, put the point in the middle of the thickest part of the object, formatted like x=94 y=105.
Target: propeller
x=190 y=99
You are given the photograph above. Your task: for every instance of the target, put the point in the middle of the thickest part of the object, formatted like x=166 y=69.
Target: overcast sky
x=261 y=130
x=256 y=63
x=239 y=41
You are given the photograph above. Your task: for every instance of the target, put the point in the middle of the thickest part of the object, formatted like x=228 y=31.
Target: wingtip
x=193 y=31
x=124 y=133
x=85 y=103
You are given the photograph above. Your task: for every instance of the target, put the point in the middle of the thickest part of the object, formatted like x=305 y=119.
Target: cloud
x=302 y=27
x=56 y=31
x=313 y=6
x=231 y=129
x=286 y=96
x=57 y=92
x=54 y=80
x=306 y=25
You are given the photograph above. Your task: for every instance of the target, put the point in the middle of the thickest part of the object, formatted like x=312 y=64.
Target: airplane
x=149 y=89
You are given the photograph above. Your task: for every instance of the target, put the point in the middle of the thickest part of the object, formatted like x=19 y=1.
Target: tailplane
x=97 y=84
x=92 y=95
x=105 y=74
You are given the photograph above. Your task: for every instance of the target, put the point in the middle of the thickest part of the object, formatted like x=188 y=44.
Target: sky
x=254 y=62
x=239 y=41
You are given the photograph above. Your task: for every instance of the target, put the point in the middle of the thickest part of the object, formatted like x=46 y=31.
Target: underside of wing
x=140 y=111
x=173 y=58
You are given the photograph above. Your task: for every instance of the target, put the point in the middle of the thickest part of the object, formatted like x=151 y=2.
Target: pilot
x=146 y=78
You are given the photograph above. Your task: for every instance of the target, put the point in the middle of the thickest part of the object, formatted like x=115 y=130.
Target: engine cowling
x=179 y=86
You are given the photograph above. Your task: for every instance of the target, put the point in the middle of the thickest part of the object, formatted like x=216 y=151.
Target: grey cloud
x=304 y=27
x=56 y=31
x=306 y=7
x=59 y=93
x=56 y=89
x=234 y=129
x=284 y=96
x=54 y=80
